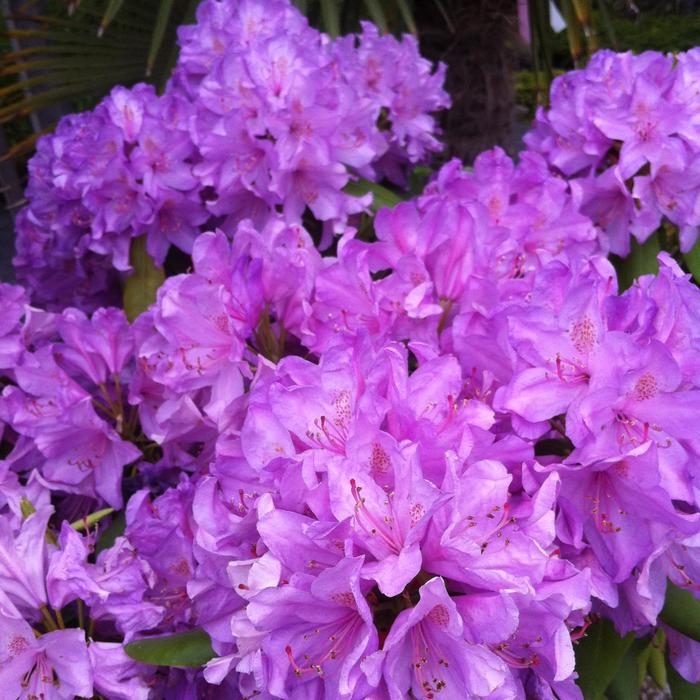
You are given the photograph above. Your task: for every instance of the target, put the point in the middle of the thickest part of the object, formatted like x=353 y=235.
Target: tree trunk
x=477 y=39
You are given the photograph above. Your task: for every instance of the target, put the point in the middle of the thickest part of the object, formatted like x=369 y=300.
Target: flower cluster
x=416 y=463
x=263 y=113
x=416 y=467
x=103 y=178
x=624 y=129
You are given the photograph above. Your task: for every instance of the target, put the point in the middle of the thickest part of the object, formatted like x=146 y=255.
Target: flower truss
x=415 y=459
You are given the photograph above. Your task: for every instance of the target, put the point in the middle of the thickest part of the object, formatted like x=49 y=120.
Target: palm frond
x=341 y=16
x=82 y=50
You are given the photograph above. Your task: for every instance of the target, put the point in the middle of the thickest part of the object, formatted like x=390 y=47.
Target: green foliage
x=337 y=17
x=660 y=32
x=526 y=90
x=599 y=657
x=627 y=681
x=188 y=649
x=680 y=688
x=381 y=196
x=682 y=611
x=112 y=531
x=692 y=261
x=73 y=60
x=141 y=286
x=642 y=260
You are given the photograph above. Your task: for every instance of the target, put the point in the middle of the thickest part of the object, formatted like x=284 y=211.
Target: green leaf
x=657 y=667
x=627 y=681
x=374 y=7
x=330 y=12
x=407 y=16
x=682 y=611
x=641 y=261
x=141 y=287
x=91 y=519
x=418 y=179
x=112 y=531
x=680 y=688
x=191 y=649
x=164 y=13
x=381 y=196
x=26 y=507
x=607 y=23
x=643 y=662
x=110 y=11
x=692 y=261
x=599 y=656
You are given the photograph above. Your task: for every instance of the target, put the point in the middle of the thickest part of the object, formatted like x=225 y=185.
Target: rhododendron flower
x=347 y=455
x=56 y=665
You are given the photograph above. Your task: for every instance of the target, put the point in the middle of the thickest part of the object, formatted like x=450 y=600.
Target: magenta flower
x=55 y=665
x=318 y=631
x=426 y=652
x=23 y=560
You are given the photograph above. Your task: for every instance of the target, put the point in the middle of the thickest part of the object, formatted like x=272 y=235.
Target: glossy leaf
x=141 y=286
x=680 y=688
x=692 y=261
x=112 y=531
x=381 y=196
x=599 y=656
x=189 y=649
x=682 y=611
x=627 y=681
x=641 y=261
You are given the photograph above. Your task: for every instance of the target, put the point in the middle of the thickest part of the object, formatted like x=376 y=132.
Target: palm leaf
x=377 y=15
x=81 y=51
x=110 y=12
x=330 y=12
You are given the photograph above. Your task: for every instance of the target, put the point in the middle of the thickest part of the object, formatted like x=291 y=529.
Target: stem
x=81 y=614
x=100 y=406
x=281 y=342
x=117 y=388
x=447 y=307
x=59 y=618
x=108 y=399
x=119 y=405
x=48 y=620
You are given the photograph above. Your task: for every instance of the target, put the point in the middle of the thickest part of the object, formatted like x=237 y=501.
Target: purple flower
x=23 y=560
x=623 y=129
x=14 y=302
x=54 y=665
x=115 y=674
x=98 y=347
x=426 y=652
x=318 y=631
